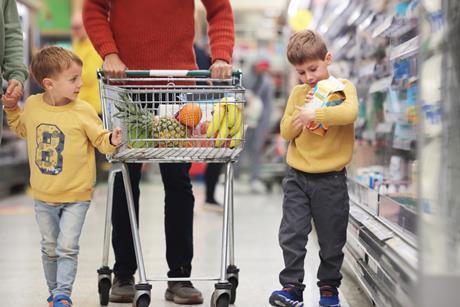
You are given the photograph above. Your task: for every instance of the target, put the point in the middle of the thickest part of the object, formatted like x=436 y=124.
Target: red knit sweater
x=157 y=34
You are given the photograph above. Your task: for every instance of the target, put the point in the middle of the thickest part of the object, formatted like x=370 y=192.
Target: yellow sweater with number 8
x=60 y=145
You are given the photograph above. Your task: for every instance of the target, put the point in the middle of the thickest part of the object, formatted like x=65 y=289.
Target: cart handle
x=170 y=73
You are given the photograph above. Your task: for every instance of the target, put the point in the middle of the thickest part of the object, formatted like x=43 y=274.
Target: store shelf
x=381 y=28
x=380 y=251
x=15 y=173
x=394 y=27
x=364 y=196
x=381 y=85
x=407 y=145
x=401 y=213
x=397 y=212
x=405 y=50
x=367 y=70
x=13 y=161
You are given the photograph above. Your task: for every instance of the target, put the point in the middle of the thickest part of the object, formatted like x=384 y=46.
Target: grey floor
x=258 y=255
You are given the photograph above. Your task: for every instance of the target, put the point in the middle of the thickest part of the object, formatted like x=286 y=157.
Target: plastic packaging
x=327 y=93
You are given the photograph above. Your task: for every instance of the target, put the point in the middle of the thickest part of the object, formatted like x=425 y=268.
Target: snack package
x=327 y=93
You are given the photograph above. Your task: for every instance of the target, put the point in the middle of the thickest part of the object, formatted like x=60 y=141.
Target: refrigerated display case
x=439 y=151
x=375 y=44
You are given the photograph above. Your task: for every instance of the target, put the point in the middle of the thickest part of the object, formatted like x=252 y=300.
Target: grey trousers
x=323 y=197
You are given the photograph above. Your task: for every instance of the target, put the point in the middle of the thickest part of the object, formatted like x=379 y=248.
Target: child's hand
x=115 y=138
x=309 y=96
x=303 y=117
x=297 y=124
x=13 y=94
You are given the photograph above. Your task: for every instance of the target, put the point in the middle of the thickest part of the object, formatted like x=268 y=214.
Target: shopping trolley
x=181 y=117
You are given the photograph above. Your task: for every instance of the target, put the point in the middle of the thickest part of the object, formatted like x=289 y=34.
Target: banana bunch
x=227 y=122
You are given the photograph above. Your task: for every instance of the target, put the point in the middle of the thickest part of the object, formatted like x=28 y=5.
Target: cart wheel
x=223 y=301
x=143 y=301
x=234 y=282
x=104 y=289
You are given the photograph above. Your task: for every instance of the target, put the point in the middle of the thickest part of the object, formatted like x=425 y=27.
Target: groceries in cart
x=180 y=123
x=326 y=93
x=189 y=115
x=226 y=125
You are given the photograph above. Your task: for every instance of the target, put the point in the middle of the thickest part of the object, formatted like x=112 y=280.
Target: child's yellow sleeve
x=297 y=98
x=15 y=119
x=343 y=114
x=98 y=136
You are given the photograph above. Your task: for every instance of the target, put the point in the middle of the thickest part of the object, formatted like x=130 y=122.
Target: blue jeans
x=60 y=227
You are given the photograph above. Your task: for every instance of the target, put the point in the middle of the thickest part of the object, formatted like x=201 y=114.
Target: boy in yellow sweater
x=315 y=185
x=61 y=133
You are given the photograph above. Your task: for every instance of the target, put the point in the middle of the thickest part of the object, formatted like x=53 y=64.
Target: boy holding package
x=61 y=133
x=315 y=185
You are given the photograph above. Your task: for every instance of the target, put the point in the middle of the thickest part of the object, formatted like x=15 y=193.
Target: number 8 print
x=50 y=144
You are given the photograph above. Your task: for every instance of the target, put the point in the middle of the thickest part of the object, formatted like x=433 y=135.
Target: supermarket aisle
x=257 y=251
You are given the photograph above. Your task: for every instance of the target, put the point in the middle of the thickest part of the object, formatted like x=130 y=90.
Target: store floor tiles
x=258 y=255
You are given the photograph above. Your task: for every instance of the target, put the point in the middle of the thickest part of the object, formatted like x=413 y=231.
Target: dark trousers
x=179 y=203
x=323 y=198
x=211 y=176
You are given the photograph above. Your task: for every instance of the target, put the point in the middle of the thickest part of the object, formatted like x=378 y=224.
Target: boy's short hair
x=306 y=45
x=50 y=61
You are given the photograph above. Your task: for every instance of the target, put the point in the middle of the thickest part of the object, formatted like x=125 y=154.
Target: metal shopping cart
x=173 y=116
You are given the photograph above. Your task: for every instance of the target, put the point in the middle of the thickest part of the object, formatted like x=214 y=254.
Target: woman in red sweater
x=157 y=34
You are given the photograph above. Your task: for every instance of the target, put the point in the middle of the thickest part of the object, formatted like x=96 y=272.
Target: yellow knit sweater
x=312 y=153
x=60 y=145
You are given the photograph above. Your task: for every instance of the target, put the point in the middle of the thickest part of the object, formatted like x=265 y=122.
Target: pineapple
x=138 y=121
x=169 y=128
x=142 y=124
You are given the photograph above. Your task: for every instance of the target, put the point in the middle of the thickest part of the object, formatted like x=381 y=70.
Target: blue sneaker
x=289 y=296
x=62 y=300
x=329 y=297
x=50 y=301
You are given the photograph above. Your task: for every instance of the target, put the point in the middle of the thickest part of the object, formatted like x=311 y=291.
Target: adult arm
x=13 y=62
x=96 y=21
x=221 y=33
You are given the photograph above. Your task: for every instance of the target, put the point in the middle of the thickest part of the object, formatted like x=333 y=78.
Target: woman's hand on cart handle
x=115 y=137
x=113 y=67
x=221 y=70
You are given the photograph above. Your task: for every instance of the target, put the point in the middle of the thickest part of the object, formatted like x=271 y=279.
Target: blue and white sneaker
x=289 y=296
x=62 y=300
x=329 y=297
